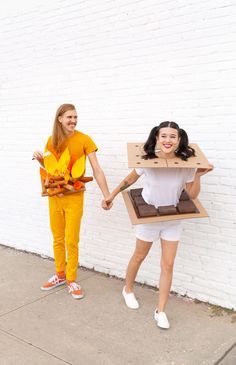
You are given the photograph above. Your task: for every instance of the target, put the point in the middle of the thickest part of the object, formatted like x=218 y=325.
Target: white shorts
x=169 y=231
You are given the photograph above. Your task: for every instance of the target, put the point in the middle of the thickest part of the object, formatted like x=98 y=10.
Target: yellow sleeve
x=89 y=146
x=48 y=144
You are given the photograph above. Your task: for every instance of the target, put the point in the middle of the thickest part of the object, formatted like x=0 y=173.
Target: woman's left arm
x=193 y=188
x=98 y=174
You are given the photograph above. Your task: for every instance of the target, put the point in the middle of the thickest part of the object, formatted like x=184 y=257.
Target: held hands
x=107 y=202
x=201 y=172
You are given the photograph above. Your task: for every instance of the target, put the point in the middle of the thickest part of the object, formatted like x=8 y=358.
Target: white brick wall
x=126 y=65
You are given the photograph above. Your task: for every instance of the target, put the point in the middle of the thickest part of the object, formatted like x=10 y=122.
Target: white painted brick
x=126 y=67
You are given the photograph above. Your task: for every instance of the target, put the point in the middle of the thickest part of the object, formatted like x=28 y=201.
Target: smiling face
x=68 y=121
x=168 y=141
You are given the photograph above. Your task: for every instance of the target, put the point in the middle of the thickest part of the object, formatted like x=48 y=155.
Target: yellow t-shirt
x=79 y=144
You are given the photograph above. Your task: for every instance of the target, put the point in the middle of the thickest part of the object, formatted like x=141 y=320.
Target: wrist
x=112 y=196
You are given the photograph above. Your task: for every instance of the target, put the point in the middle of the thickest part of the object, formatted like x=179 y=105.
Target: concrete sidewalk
x=54 y=329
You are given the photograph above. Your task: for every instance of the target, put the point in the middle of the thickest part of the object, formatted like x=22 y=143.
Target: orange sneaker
x=53 y=282
x=75 y=290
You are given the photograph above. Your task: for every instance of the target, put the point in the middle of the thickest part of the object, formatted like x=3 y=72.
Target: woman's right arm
x=124 y=184
x=37 y=155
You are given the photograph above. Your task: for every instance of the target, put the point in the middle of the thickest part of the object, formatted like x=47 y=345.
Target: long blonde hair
x=58 y=134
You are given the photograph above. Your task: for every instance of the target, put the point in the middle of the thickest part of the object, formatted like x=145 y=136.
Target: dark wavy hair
x=184 y=151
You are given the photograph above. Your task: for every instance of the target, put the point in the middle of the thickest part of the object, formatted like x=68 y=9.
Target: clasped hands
x=107 y=202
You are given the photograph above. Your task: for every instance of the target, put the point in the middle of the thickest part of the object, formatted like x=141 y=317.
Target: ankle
x=128 y=289
x=70 y=281
x=61 y=275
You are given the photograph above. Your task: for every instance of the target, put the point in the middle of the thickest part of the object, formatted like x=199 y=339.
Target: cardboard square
x=135 y=220
x=135 y=160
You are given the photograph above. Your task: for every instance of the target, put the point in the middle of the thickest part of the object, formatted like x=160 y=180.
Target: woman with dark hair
x=66 y=151
x=183 y=151
x=162 y=187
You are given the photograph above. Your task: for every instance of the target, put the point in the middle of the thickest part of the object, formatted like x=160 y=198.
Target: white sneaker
x=161 y=319
x=130 y=299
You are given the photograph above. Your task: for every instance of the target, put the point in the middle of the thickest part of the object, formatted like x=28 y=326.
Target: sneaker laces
x=54 y=279
x=74 y=286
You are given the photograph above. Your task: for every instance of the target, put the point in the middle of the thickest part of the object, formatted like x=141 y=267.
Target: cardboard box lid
x=135 y=220
x=135 y=160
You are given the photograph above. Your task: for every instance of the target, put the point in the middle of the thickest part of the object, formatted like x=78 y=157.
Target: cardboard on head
x=136 y=220
x=135 y=160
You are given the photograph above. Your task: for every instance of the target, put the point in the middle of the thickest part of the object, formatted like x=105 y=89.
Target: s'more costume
x=158 y=208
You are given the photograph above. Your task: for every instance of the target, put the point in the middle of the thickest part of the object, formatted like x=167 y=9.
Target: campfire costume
x=63 y=181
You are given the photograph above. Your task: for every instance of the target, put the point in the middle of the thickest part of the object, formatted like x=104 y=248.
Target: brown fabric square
x=139 y=200
x=146 y=210
x=184 y=195
x=186 y=207
x=136 y=192
x=167 y=210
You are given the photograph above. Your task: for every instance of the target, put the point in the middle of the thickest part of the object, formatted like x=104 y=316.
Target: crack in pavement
x=6 y=333
x=224 y=355
x=40 y=298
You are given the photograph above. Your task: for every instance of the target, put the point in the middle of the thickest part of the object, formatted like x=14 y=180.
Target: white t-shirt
x=163 y=186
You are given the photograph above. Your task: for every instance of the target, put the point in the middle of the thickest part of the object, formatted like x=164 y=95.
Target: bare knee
x=167 y=266
x=141 y=251
x=138 y=257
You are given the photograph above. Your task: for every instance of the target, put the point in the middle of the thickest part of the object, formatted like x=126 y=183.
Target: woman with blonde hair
x=65 y=153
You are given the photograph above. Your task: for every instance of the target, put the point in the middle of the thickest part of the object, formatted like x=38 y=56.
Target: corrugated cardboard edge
x=135 y=220
x=135 y=160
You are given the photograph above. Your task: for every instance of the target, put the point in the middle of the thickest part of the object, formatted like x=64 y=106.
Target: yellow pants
x=65 y=218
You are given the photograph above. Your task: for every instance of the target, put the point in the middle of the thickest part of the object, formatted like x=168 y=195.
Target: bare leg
x=141 y=251
x=169 y=250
